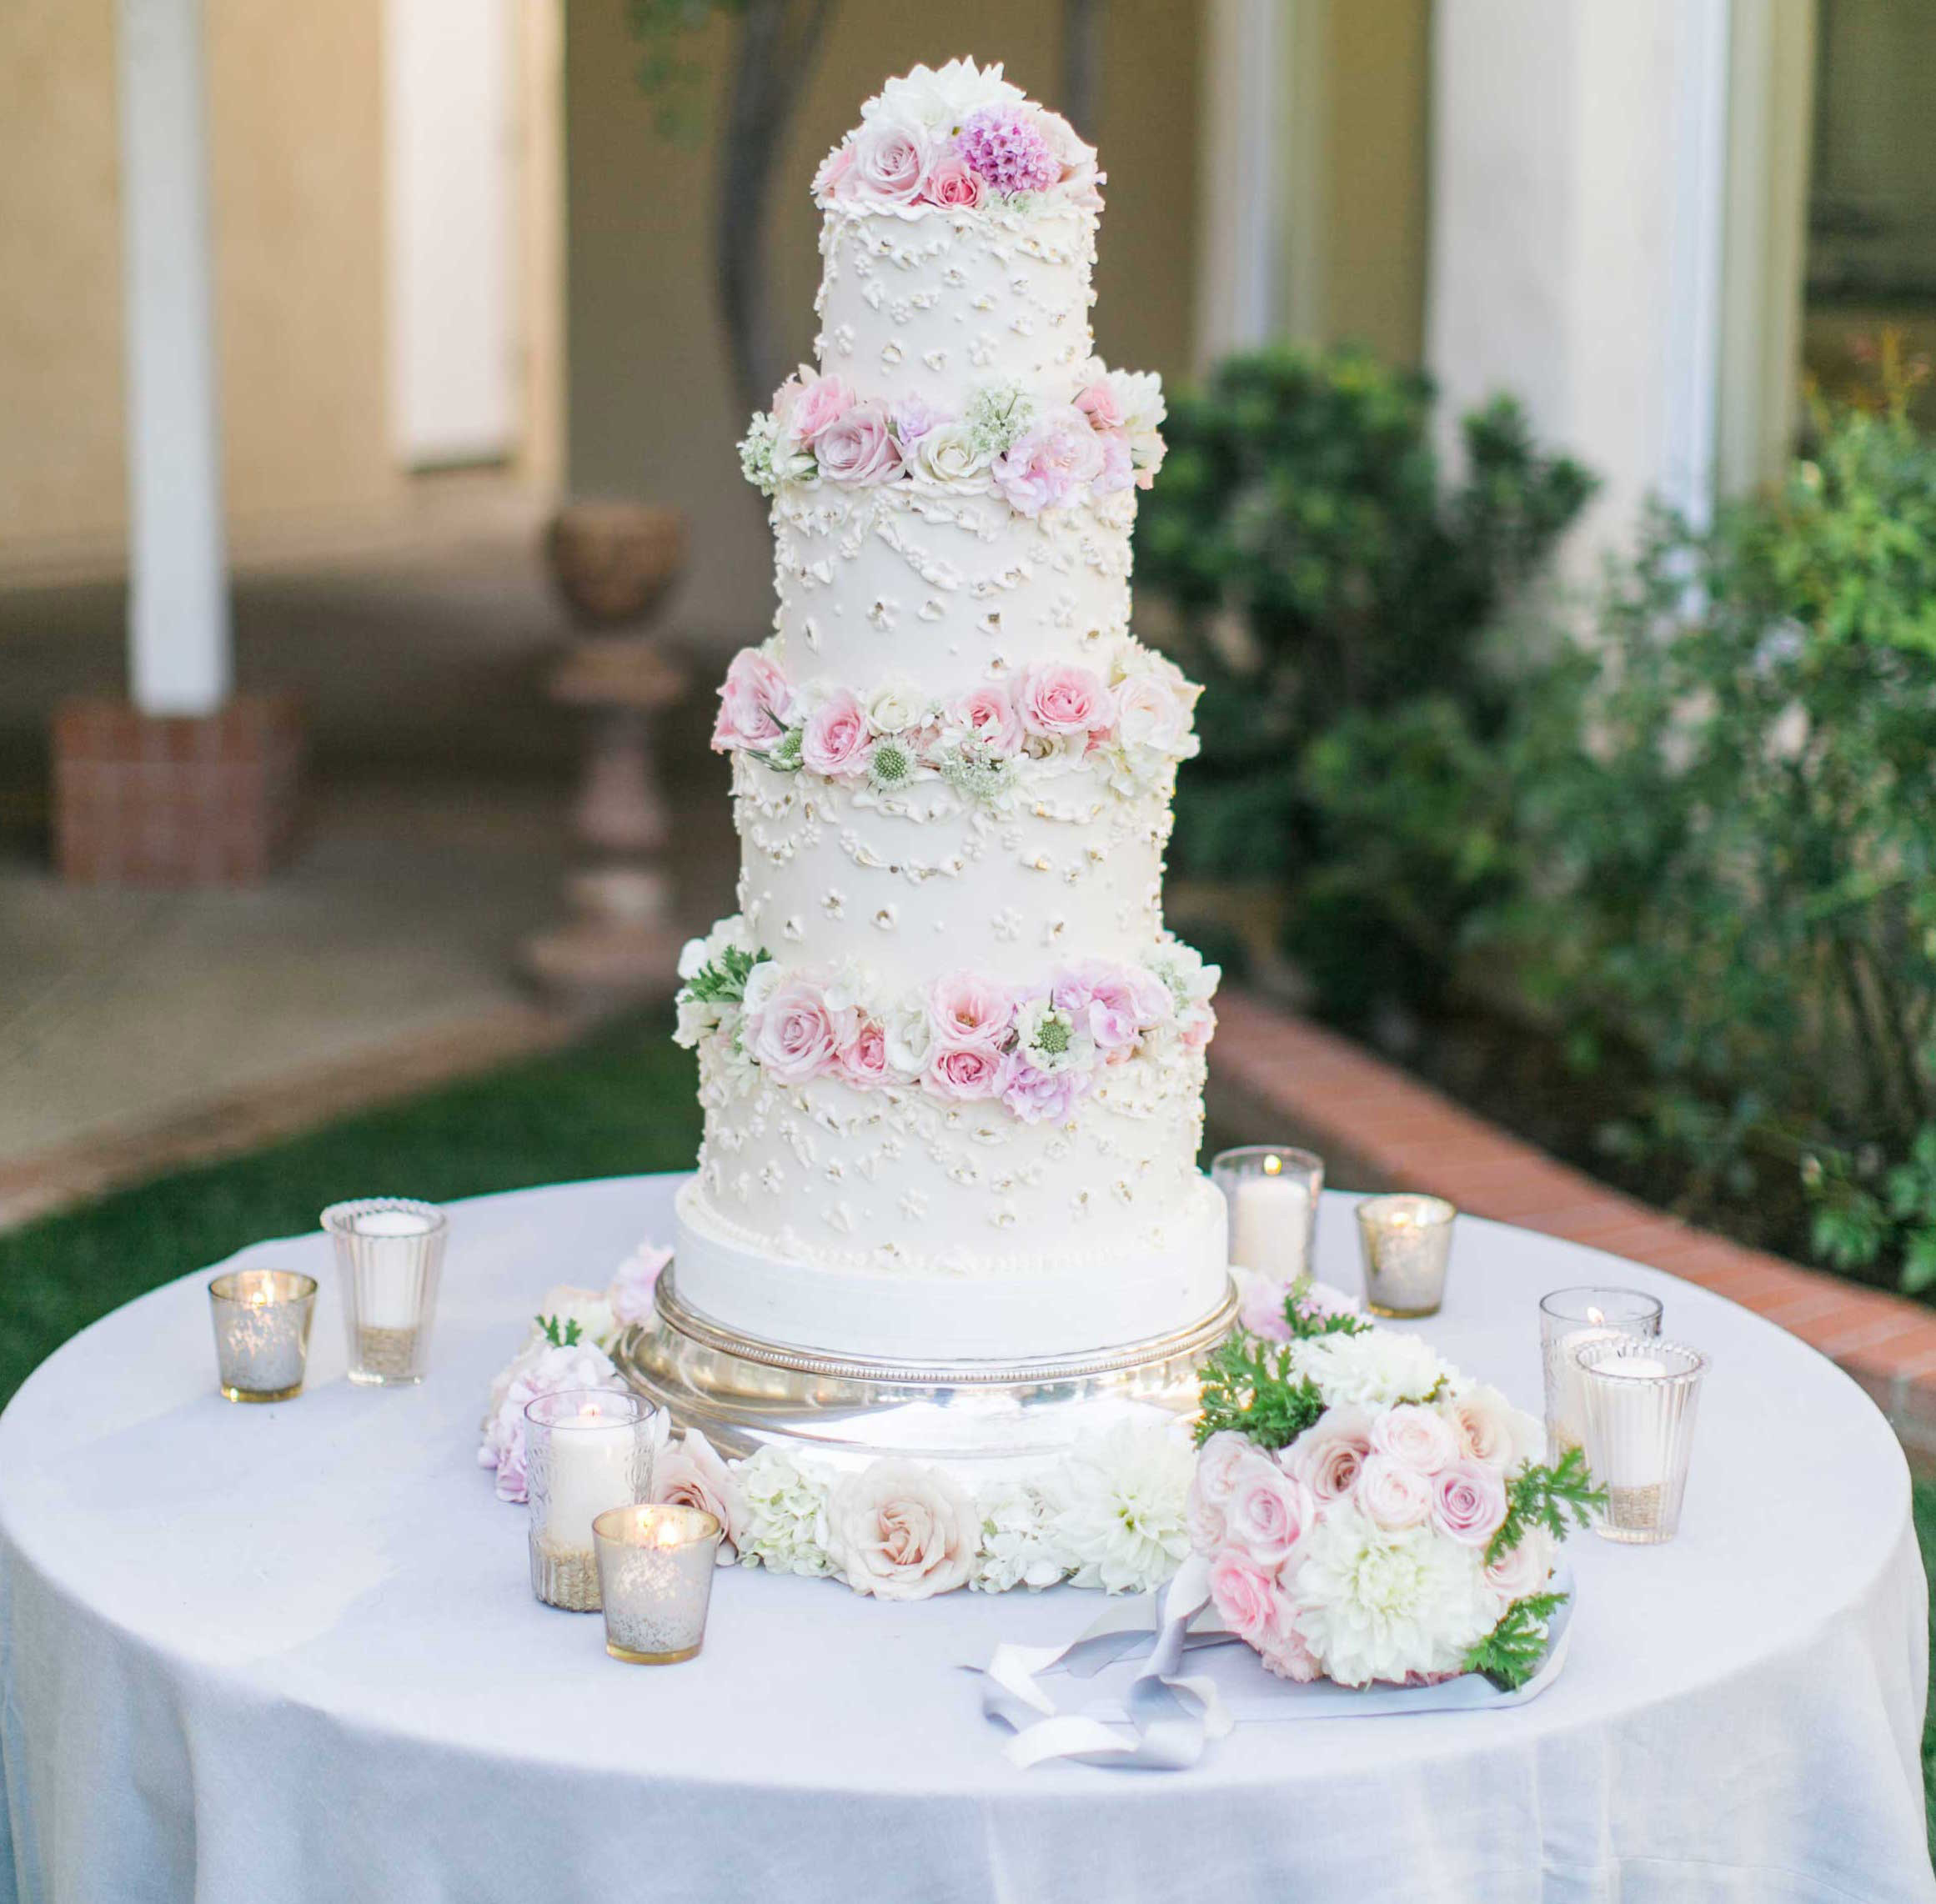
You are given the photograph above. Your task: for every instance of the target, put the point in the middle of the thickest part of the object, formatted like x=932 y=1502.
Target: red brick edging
x=1407 y=1133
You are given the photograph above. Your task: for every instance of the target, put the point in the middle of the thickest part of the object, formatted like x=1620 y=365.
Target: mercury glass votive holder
x=1405 y=1241
x=585 y=1450
x=1270 y=1191
x=655 y=1571
x=1569 y=1320
x=389 y=1252
x=1640 y=1398
x=261 y=1332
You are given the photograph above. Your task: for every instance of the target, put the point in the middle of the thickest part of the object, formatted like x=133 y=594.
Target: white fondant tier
x=944 y=586
x=933 y=303
x=1027 y=1308
x=923 y=880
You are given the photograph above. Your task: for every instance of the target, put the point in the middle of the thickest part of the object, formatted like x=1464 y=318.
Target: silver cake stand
x=978 y=1418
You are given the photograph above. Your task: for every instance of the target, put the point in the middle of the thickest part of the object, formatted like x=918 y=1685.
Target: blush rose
x=901 y=1531
x=838 y=739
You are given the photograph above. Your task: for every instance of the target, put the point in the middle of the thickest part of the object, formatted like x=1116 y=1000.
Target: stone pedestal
x=176 y=800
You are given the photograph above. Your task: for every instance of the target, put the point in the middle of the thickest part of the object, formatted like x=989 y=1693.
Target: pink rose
x=799 y=1035
x=967 y=1008
x=988 y=713
x=754 y=701
x=1252 y=1605
x=1468 y=1502
x=1198 y=1026
x=1327 y=1455
x=1392 y=1496
x=1115 y=1003
x=1523 y=1569
x=1489 y=1428
x=863 y=1063
x=1044 y=466
x=953 y=181
x=631 y=1291
x=1059 y=698
x=690 y=1474
x=1418 y=1437
x=1217 y=1463
x=889 y=163
x=966 y=1072
x=806 y=404
x=838 y=739
x=1098 y=404
x=1119 y=470
x=1288 y=1654
x=1152 y=709
x=858 y=446
x=1269 y=1512
x=1041 y=1097
x=836 y=170
x=1260 y=1304
x=901 y=1531
x=913 y=419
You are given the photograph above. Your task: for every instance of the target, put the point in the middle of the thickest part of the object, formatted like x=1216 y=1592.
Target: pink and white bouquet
x=1037 y=1050
x=959 y=139
x=1136 y=717
x=1106 y=438
x=1369 y=1514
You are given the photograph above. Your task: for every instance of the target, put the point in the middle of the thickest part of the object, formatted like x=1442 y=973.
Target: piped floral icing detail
x=1108 y=437
x=967 y=1038
x=984 y=741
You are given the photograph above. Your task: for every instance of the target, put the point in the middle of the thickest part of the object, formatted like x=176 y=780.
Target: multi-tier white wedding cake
x=951 y=1063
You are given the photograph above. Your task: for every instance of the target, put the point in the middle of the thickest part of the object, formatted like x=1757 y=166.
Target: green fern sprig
x=1250 y=1386
x=1546 y=1497
x=1510 y=1654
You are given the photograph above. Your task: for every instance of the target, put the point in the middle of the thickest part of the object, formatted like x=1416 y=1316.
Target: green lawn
x=620 y=1102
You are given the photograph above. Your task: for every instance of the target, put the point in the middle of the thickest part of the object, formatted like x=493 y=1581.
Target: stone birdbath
x=613 y=564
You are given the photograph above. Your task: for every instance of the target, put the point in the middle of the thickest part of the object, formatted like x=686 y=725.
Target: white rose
x=1416 y=1438
x=896 y=707
x=909 y=1035
x=902 y=1531
x=1149 y=713
x=761 y=983
x=697 y=1018
x=1139 y=400
x=950 y=453
x=1490 y=1428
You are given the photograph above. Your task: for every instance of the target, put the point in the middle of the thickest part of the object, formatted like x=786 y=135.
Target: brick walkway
x=1404 y=1132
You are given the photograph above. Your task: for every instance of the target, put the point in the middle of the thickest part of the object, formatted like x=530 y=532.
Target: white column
x=1240 y=279
x=179 y=632
x=1578 y=190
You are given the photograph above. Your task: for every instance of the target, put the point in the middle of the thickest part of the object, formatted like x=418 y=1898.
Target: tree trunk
x=1082 y=64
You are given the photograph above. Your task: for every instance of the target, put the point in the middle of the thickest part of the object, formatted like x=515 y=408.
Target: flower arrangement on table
x=985 y=742
x=1367 y=1514
x=961 y=138
x=965 y=1038
x=1037 y=456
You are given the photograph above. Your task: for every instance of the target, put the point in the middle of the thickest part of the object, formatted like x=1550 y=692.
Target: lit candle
x=1640 y=1399
x=261 y=1332
x=1272 y=1195
x=389 y=1252
x=1406 y=1242
x=1572 y=1320
x=389 y=1268
x=655 y=1573
x=586 y=1450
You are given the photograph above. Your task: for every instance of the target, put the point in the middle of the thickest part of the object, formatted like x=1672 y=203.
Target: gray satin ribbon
x=1169 y=1716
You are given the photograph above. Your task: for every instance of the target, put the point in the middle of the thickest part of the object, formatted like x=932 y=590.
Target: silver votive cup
x=585 y=1450
x=1270 y=1191
x=1640 y=1398
x=655 y=1569
x=389 y=1252
x=261 y=1332
x=1405 y=1242
x=1570 y=1320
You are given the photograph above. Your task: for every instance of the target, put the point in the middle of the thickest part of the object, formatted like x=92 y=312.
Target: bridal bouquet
x=1369 y=1514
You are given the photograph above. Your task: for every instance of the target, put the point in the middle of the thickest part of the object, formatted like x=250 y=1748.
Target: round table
x=289 y=1653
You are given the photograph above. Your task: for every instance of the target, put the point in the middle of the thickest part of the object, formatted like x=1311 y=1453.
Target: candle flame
x=1273 y=1166
x=1594 y=1315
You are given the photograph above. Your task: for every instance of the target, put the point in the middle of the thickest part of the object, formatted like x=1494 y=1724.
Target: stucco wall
x=650 y=411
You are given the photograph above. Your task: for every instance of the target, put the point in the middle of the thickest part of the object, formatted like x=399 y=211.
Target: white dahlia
x=940 y=100
x=1379 y=1605
x=1119 y=1506
x=1374 y=1369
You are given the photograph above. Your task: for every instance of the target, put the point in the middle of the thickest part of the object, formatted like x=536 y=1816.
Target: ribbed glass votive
x=1640 y=1398
x=389 y=1252
x=1271 y=1192
x=585 y=1450
x=1570 y=1320
x=1406 y=1243
x=261 y=1332
x=655 y=1569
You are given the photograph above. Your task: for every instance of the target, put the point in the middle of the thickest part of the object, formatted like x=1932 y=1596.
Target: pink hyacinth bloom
x=1006 y=146
x=1042 y=1097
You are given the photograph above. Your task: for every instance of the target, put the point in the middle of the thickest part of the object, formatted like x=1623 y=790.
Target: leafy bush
x=1330 y=580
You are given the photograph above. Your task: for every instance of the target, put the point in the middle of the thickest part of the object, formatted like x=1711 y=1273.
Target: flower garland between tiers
x=1138 y=720
x=1038 y=457
x=966 y=1039
x=1369 y=1514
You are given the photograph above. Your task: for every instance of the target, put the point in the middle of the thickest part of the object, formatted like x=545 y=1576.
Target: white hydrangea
x=1374 y=1369
x=1117 y=1506
x=786 y=1500
x=1018 y=1542
x=588 y=1308
x=1380 y=1606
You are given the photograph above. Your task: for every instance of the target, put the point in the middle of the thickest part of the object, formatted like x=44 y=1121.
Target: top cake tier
x=928 y=309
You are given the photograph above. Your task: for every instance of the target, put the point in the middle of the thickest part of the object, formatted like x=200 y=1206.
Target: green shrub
x=1329 y=577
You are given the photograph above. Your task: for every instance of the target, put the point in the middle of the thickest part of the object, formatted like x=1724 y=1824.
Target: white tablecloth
x=273 y=1656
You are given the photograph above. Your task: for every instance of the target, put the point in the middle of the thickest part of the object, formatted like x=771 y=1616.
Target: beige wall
x=295 y=106
x=650 y=413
